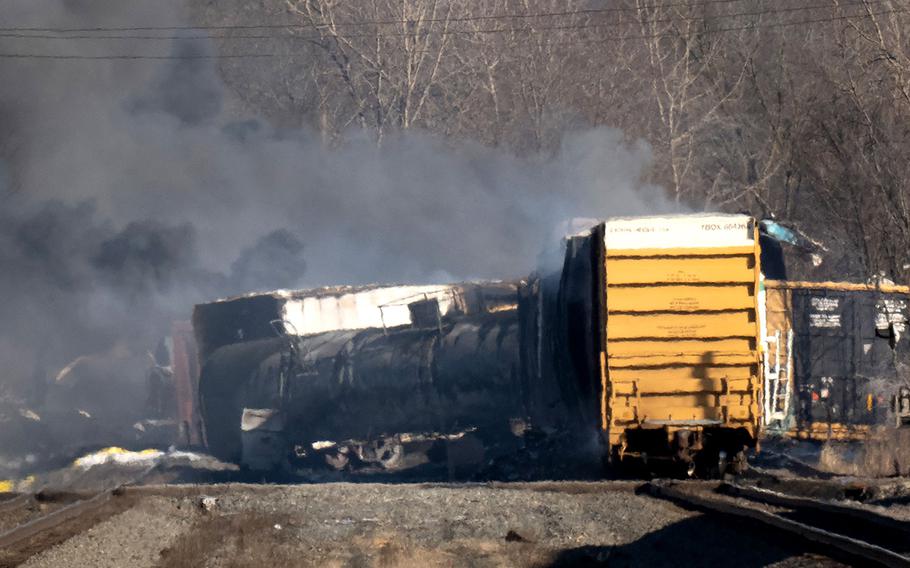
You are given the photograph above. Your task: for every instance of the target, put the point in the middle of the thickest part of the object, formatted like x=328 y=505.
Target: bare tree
x=388 y=56
x=861 y=152
x=690 y=80
x=784 y=109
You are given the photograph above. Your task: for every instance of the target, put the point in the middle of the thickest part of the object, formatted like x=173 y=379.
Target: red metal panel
x=186 y=383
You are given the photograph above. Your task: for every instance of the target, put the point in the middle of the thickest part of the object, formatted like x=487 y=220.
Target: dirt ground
x=391 y=525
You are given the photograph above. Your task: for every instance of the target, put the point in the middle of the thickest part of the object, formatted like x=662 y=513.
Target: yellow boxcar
x=680 y=359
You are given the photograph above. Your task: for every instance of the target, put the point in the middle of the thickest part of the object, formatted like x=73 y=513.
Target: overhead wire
x=703 y=32
x=65 y=57
x=484 y=17
x=776 y=25
x=439 y=32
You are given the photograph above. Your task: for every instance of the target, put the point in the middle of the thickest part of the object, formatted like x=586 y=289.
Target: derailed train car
x=648 y=335
x=836 y=362
x=363 y=377
x=658 y=322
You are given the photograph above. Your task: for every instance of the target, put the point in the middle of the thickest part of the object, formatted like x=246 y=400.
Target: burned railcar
x=399 y=373
x=171 y=413
x=836 y=363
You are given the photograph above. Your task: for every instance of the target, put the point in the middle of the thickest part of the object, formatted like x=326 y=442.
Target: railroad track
x=69 y=514
x=47 y=530
x=7 y=506
x=856 y=532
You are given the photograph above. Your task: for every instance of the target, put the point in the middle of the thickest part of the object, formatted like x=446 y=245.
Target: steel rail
x=14 y=503
x=54 y=519
x=851 y=546
x=806 y=503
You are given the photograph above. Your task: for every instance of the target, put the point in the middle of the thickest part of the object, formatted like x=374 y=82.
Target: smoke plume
x=130 y=192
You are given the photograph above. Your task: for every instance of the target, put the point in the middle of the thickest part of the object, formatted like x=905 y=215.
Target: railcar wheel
x=740 y=463
x=690 y=469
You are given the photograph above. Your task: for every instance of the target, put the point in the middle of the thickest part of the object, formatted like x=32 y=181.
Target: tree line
x=797 y=110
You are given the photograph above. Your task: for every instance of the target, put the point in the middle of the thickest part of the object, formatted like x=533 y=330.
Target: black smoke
x=188 y=89
x=134 y=188
x=275 y=261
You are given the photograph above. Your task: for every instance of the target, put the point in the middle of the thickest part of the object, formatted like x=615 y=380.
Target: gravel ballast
x=349 y=524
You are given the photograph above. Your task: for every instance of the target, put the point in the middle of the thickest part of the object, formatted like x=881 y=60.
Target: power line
x=130 y=57
x=714 y=31
x=856 y=3
x=750 y=27
x=486 y=17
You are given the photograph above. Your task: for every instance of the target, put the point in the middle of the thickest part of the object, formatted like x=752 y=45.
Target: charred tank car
x=382 y=378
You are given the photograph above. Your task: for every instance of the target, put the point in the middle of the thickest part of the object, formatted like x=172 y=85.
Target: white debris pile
x=143 y=458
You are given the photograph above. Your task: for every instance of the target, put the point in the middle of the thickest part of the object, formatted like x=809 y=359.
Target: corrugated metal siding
x=844 y=348
x=848 y=339
x=682 y=327
x=377 y=307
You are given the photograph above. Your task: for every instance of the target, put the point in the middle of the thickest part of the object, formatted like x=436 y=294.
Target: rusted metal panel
x=185 y=367
x=842 y=286
x=829 y=431
x=778 y=365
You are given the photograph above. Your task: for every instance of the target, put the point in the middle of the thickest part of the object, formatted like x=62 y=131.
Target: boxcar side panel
x=848 y=341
